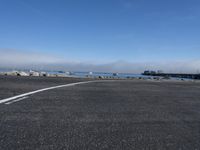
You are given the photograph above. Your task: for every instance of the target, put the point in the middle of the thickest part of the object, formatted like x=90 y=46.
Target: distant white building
x=43 y=74
x=12 y=73
x=22 y=73
x=69 y=73
x=16 y=73
x=34 y=73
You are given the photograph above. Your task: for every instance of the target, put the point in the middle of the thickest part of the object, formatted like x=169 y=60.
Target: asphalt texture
x=14 y=85
x=109 y=115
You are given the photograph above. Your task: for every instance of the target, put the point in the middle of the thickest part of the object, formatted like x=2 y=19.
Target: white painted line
x=10 y=102
x=45 y=89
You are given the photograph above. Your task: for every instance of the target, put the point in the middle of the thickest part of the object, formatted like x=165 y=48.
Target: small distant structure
x=89 y=75
x=160 y=71
x=61 y=72
x=101 y=77
x=12 y=73
x=115 y=74
x=34 y=73
x=22 y=73
x=16 y=73
x=148 y=72
x=166 y=77
x=43 y=74
x=69 y=73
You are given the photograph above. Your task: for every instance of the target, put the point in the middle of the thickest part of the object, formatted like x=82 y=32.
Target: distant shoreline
x=150 y=79
x=173 y=75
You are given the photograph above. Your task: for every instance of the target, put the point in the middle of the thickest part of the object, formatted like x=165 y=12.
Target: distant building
x=115 y=74
x=34 y=73
x=43 y=74
x=159 y=71
x=147 y=72
x=16 y=73
x=12 y=73
x=22 y=73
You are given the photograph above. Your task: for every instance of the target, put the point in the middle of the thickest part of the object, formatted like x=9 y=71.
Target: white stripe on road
x=41 y=90
x=10 y=102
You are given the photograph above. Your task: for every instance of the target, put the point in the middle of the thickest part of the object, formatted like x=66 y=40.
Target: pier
x=175 y=75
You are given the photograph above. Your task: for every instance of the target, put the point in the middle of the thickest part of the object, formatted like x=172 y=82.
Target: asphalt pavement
x=123 y=114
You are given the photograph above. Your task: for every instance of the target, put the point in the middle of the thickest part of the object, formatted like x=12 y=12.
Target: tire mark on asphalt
x=22 y=98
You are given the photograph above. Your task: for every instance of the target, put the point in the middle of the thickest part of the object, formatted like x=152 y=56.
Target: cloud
x=11 y=56
x=14 y=59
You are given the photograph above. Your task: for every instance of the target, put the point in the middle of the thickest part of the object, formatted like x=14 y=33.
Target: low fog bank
x=11 y=59
x=123 y=67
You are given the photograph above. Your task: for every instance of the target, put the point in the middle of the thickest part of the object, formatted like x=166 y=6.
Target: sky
x=101 y=35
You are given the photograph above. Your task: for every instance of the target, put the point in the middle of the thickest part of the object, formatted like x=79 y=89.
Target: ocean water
x=104 y=74
x=110 y=75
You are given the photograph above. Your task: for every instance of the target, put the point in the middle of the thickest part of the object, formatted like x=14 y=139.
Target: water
x=105 y=74
x=96 y=74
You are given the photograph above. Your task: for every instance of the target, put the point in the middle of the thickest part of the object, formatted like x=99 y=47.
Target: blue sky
x=103 y=31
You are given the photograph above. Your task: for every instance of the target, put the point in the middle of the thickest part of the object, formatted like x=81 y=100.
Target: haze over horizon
x=101 y=35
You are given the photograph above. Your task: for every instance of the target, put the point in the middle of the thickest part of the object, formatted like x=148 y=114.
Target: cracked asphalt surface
x=123 y=114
